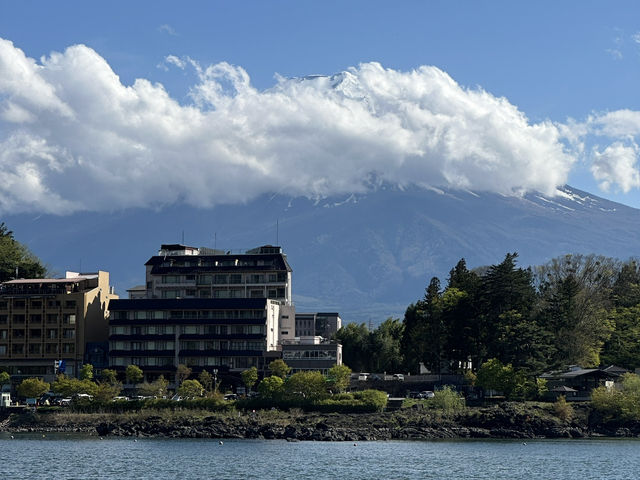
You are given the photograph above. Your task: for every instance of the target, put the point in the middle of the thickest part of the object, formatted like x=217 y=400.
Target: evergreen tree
x=507 y=299
x=16 y=261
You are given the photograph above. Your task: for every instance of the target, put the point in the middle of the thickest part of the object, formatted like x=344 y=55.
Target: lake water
x=30 y=456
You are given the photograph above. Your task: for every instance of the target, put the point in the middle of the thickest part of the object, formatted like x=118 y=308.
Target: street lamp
x=215 y=379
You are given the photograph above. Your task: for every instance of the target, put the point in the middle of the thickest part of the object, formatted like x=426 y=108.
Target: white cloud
x=168 y=29
x=81 y=140
x=616 y=165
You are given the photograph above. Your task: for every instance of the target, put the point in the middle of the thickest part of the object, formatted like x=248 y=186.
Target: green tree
x=339 y=377
x=182 y=373
x=279 y=368
x=32 y=388
x=249 y=377
x=623 y=348
x=271 y=388
x=575 y=296
x=4 y=378
x=206 y=380
x=105 y=392
x=308 y=384
x=134 y=374
x=386 y=353
x=191 y=389
x=15 y=257
x=71 y=386
x=157 y=388
x=506 y=302
x=86 y=372
x=355 y=346
x=109 y=376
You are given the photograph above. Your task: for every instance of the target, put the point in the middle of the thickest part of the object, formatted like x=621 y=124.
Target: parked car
x=363 y=377
x=230 y=396
x=398 y=376
x=426 y=394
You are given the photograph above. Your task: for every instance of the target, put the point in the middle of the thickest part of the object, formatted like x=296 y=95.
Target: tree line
x=574 y=310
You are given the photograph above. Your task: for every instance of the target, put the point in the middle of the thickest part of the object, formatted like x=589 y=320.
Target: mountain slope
x=365 y=256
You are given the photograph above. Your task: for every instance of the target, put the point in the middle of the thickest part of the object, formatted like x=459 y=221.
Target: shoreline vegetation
x=507 y=420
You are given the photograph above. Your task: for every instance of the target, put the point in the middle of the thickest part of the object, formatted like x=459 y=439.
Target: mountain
x=366 y=256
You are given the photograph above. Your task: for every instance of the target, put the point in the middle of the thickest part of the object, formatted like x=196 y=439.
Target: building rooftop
x=187 y=303
x=174 y=258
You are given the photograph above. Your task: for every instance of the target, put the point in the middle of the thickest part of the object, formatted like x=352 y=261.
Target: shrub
x=447 y=399
x=624 y=403
x=562 y=409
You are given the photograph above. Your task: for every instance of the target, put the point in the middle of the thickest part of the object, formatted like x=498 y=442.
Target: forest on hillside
x=574 y=310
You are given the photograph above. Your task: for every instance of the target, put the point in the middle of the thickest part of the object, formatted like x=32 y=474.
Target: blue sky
x=561 y=103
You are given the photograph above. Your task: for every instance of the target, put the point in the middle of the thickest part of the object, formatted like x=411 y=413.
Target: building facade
x=179 y=271
x=229 y=335
x=320 y=324
x=49 y=322
x=311 y=353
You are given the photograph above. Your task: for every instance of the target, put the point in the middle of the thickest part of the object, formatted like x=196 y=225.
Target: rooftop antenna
x=183 y=237
x=277 y=232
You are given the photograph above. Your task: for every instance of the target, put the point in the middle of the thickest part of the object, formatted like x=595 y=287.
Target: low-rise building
x=229 y=335
x=311 y=353
x=47 y=323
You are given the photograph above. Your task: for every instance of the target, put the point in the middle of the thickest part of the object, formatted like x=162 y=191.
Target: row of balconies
x=188 y=353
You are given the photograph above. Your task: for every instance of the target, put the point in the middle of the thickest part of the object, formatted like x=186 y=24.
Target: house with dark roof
x=577 y=383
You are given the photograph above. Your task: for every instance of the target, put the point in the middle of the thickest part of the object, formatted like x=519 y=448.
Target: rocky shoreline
x=507 y=420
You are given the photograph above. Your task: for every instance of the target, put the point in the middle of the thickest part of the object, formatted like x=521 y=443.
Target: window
x=136 y=345
x=17 y=349
x=18 y=333
x=4 y=319
x=36 y=304
x=68 y=348
x=35 y=333
x=3 y=349
x=4 y=305
x=51 y=348
x=68 y=333
x=18 y=318
x=52 y=333
x=70 y=304
x=35 y=348
x=69 y=319
x=235 y=278
x=190 y=329
x=19 y=304
x=4 y=334
x=53 y=303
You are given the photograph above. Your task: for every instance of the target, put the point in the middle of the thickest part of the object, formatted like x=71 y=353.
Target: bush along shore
x=506 y=420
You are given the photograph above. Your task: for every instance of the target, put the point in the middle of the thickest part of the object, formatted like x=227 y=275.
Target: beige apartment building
x=47 y=323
